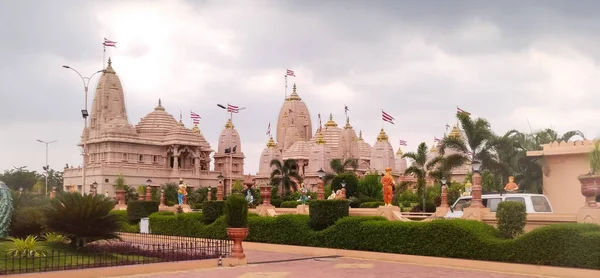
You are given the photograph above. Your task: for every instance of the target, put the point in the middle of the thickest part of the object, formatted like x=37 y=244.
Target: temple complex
x=313 y=152
x=158 y=148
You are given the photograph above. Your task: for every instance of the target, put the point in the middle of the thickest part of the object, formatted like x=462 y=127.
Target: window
x=540 y=204
x=141 y=158
x=462 y=203
x=106 y=180
x=124 y=156
x=492 y=204
x=154 y=159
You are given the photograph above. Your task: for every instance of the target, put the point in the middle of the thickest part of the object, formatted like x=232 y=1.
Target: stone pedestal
x=186 y=208
x=148 y=193
x=263 y=210
x=441 y=211
x=588 y=215
x=474 y=213
x=388 y=211
x=220 y=192
x=302 y=209
x=265 y=193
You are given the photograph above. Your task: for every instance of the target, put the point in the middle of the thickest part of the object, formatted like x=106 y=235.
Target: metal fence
x=131 y=249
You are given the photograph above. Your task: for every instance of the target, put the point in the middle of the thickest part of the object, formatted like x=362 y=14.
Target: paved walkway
x=262 y=264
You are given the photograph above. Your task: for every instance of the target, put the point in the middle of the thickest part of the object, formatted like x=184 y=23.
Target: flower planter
x=237 y=235
x=120 y=196
x=590 y=188
x=265 y=193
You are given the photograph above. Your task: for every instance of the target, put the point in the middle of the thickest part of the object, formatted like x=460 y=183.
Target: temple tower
x=400 y=162
x=294 y=121
x=382 y=155
x=348 y=142
x=269 y=154
x=229 y=158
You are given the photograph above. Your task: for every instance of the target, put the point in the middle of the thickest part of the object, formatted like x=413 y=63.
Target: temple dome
x=157 y=122
x=268 y=154
x=400 y=162
x=294 y=121
x=298 y=150
x=229 y=138
x=319 y=156
x=382 y=154
x=331 y=134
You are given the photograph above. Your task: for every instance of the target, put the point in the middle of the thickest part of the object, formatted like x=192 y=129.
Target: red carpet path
x=263 y=264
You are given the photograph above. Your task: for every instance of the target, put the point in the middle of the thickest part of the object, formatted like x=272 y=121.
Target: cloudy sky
x=508 y=61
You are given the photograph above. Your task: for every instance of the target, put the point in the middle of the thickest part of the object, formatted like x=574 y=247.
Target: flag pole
x=381 y=118
x=104 y=57
x=285 y=92
x=231 y=152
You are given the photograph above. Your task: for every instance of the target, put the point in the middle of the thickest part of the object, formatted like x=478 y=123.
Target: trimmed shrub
x=163 y=213
x=371 y=204
x=323 y=213
x=512 y=217
x=236 y=210
x=125 y=225
x=351 y=183
x=137 y=210
x=291 y=204
x=212 y=210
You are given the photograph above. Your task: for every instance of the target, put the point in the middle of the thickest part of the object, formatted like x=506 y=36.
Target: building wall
x=561 y=186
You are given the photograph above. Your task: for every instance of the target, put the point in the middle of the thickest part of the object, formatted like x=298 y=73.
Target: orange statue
x=388 y=187
x=511 y=186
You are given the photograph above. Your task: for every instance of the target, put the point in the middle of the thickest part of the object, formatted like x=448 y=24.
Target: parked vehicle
x=534 y=203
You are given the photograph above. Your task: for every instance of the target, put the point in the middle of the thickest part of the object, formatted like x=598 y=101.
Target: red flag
x=387 y=117
x=403 y=142
x=290 y=73
x=232 y=108
x=109 y=43
x=435 y=139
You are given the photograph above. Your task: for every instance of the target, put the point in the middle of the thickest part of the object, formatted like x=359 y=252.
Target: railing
x=130 y=250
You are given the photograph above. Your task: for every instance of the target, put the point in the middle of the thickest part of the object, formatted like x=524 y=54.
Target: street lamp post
x=344 y=189
x=321 y=185
x=444 y=194
x=220 y=188
x=476 y=189
x=46 y=167
x=84 y=114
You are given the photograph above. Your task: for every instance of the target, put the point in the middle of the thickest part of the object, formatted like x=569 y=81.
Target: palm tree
x=338 y=166
x=479 y=144
x=420 y=167
x=285 y=174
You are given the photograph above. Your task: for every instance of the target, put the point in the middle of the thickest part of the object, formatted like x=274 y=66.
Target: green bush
x=369 y=186
x=236 y=210
x=291 y=204
x=565 y=245
x=512 y=217
x=137 y=210
x=323 y=213
x=27 y=221
x=163 y=213
x=372 y=204
x=125 y=225
x=212 y=210
x=351 y=183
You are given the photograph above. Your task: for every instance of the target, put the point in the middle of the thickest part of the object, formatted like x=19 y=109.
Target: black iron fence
x=131 y=249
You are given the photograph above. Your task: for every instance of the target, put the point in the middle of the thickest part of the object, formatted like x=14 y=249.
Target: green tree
x=285 y=175
x=420 y=167
x=351 y=181
x=20 y=177
x=370 y=186
x=237 y=187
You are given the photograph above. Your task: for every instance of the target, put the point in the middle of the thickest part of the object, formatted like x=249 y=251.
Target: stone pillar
x=209 y=195
x=476 y=191
x=176 y=163
x=320 y=190
x=220 y=192
x=197 y=165
x=265 y=193
x=162 y=197
x=148 y=193
x=185 y=200
x=444 y=203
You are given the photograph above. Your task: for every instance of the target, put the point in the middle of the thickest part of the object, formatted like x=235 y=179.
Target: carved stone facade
x=229 y=158
x=157 y=148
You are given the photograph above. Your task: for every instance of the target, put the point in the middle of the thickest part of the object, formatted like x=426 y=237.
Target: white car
x=534 y=203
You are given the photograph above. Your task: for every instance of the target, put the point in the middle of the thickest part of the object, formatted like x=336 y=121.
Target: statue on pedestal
x=332 y=196
x=249 y=197
x=388 y=186
x=181 y=192
x=303 y=190
x=511 y=186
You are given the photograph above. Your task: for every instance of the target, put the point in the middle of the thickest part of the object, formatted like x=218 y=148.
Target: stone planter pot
x=590 y=188
x=237 y=235
x=120 y=196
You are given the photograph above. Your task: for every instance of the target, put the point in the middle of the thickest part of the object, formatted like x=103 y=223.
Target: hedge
x=512 y=218
x=372 y=204
x=212 y=210
x=323 y=213
x=291 y=204
x=566 y=245
x=137 y=210
x=126 y=226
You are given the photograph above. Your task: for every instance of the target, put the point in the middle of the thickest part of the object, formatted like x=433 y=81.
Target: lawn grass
x=60 y=256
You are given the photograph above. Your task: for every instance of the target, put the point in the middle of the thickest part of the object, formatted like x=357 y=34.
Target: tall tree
x=340 y=166
x=285 y=174
x=20 y=177
x=420 y=167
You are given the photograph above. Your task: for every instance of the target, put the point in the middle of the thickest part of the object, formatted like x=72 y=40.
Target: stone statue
x=249 y=197
x=467 y=189
x=388 y=186
x=181 y=192
x=6 y=208
x=106 y=194
x=511 y=186
x=338 y=195
x=332 y=196
x=303 y=190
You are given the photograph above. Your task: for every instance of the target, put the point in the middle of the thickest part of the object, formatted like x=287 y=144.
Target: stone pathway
x=262 y=264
